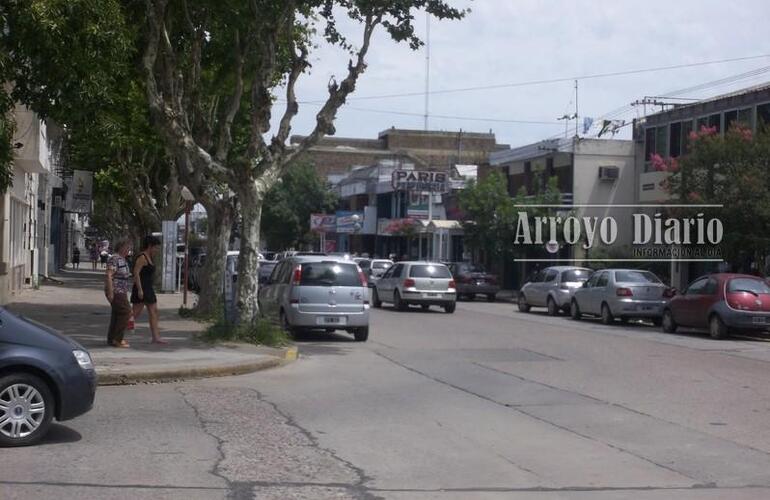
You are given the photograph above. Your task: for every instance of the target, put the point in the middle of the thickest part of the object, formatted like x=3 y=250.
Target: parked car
x=721 y=302
x=43 y=375
x=553 y=288
x=295 y=253
x=378 y=267
x=621 y=293
x=416 y=283
x=473 y=280
x=317 y=292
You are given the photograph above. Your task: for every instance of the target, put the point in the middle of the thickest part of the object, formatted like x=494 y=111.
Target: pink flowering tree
x=733 y=170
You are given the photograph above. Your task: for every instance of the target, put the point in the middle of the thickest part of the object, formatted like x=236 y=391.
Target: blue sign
x=349 y=222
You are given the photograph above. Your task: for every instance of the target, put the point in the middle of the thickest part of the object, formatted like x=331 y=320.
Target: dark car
x=43 y=375
x=472 y=280
x=721 y=302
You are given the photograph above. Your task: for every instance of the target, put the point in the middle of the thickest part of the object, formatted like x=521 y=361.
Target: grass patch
x=262 y=332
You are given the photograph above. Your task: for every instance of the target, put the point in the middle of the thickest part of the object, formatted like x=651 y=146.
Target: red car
x=721 y=302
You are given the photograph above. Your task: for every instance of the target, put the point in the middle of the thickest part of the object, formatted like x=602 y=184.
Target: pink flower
x=673 y=165
x=693 y=135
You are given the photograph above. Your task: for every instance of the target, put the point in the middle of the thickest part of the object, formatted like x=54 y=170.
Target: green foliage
x=731 y=170
x=287 y=207
x=261 y=332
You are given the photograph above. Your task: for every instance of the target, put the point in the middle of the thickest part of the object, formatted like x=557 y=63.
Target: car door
x=386 y=284
x=597 y=292
x=549 y=284
x=278 y=282
x=531 y=289
x=583 y=294
x=266 y=292
x=685 y=309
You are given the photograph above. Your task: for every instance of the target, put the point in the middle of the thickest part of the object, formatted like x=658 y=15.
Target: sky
x=510 y=41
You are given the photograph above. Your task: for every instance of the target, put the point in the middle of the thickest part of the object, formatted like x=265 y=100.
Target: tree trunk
x=250 y=201
x=220 y=215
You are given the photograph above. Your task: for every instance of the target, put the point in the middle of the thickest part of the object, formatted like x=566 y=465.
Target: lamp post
x=188 y=199
x=356 y=227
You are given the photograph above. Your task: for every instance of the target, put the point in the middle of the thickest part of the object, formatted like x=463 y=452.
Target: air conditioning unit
x=609 y=174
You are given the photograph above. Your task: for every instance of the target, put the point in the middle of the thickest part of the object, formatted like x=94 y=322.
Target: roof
x=445 y=224
x=567 y=268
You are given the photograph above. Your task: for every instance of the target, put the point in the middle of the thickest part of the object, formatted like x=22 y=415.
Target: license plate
x=430 y=295
x=759 y=320
x=331 y=320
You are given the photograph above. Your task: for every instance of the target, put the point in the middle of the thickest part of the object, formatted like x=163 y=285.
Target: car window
x=635 y=277
x=364 y=264
x=710 y=288
x=381 y=265
x=603 y=279
x=696 y=288
x=329 y=274
x=276 y=274
x=397 y=271
x=429 y=271
x=748 y=285
x=592 y=281
x=575 y=275
x=551 y=275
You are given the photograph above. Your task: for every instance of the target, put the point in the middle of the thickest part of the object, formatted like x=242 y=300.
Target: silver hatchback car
x=621 y=293
x=317 y=292
x=420 y=283
x=553 y=288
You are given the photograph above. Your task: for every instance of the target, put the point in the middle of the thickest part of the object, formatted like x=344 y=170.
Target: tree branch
x=225 y=128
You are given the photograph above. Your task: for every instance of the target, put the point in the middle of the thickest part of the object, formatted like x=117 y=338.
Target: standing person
x=75 y=257
x=93 y=255
x=117 y=284
x=104 y=257
x=143 y=293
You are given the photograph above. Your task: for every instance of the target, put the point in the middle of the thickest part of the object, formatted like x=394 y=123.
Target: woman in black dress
x=143 y=293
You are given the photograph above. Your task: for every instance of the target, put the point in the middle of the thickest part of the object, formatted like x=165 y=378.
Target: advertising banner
x=420 y=180
x=349 y=222
x=323 y=223
x=79 y=192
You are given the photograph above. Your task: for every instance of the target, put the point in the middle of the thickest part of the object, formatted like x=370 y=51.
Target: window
x=364 y=264
x=551 y=275
x=696 y=288
x=275 y=276
x=710 y=288
x=661 y=141
x=649 y=143
x=549 y=171
x=528 y=177
x=592 y=281
x=381 y=264
x=575 y=275
x=397 y=270
x=731 y=119
x=635 y=277
x=429 y=271
x=716 y=121
x=603 y=280
x=751 y=285
x=745 y=116
x=675 y=139
x=702 y=122
x=763 y=115
x=686 y=129
x=329 y=274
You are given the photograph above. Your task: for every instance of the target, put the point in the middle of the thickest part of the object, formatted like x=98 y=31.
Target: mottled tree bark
x=220 y=214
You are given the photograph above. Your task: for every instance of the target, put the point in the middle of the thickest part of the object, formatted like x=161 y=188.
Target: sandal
x=121 y=344
x=159 y=341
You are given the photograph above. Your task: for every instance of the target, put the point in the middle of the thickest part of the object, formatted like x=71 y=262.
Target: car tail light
x=452 y=284
x=669 y=292
x=297 y=275
x=362 y=277
x=409 y=283
x=624 y=292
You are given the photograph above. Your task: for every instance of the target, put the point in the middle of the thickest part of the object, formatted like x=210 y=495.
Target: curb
x=132 y=376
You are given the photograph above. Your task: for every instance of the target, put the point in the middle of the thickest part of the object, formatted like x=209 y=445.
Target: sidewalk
x=78 y=309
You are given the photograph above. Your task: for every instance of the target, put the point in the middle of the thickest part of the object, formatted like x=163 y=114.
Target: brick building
x=425 y=149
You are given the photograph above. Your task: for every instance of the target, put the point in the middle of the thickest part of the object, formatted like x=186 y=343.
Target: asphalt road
x=486 y=403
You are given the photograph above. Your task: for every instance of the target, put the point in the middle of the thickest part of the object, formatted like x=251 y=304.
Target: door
x=550 y=282
x=387 y=283
x=595 y=294
x=684 y=309
x=583 y=294
x=533 y=289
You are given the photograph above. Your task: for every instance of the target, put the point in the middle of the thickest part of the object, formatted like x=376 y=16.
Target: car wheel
x=285 y=324
x=607 y=317
x=361 y=334
x=552 y=309
x=523 y=306
x=450 y=308
x=574 y=310
x=399 y=304
x=717 y=328
x=376 y=302
x=491 y=297
x=669 y=325
x=26 y=409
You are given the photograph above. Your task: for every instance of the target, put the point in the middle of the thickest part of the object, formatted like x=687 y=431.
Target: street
x=486 y=403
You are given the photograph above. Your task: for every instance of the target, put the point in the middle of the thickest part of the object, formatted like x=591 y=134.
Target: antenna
x=427 y=68
x=577 y=120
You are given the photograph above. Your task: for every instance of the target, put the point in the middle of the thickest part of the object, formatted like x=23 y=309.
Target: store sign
x=420 y=180
x=79 y=192
x=349 y=222
x=323 y=223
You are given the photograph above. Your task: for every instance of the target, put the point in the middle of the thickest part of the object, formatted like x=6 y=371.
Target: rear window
x=364 y=264
x=576 y=275
x=381 y=265
x=329 y=274
x=747 y=285
x=635 y=277
x=428 y=271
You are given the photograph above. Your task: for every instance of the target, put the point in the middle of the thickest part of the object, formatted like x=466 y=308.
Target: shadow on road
x=60 y=434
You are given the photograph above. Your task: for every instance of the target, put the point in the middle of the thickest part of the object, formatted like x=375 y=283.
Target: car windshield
x=364 y=264
x=381 y=265
x=429 y=271
x=329 y=274
x=574 y=275
x=635 y=277
x=750 y=285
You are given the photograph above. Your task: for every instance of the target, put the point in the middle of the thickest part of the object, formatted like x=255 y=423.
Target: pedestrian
x=93 y=255
x=117 y=284
x=75 y=257
x=143 y=293
x=104 y=257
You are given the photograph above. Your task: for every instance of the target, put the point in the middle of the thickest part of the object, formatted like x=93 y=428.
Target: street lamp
x=188 y=199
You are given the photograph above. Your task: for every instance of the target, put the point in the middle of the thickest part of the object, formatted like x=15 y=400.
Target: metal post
x=186 y=250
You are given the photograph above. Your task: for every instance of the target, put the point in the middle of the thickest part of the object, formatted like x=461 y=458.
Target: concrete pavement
x=77 y=308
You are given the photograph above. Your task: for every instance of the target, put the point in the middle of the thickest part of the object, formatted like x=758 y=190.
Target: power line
x=557 y=80
x=450 y=117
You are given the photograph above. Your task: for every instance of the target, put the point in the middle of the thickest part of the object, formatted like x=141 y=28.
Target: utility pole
x=427 y=69
x=577 y=119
